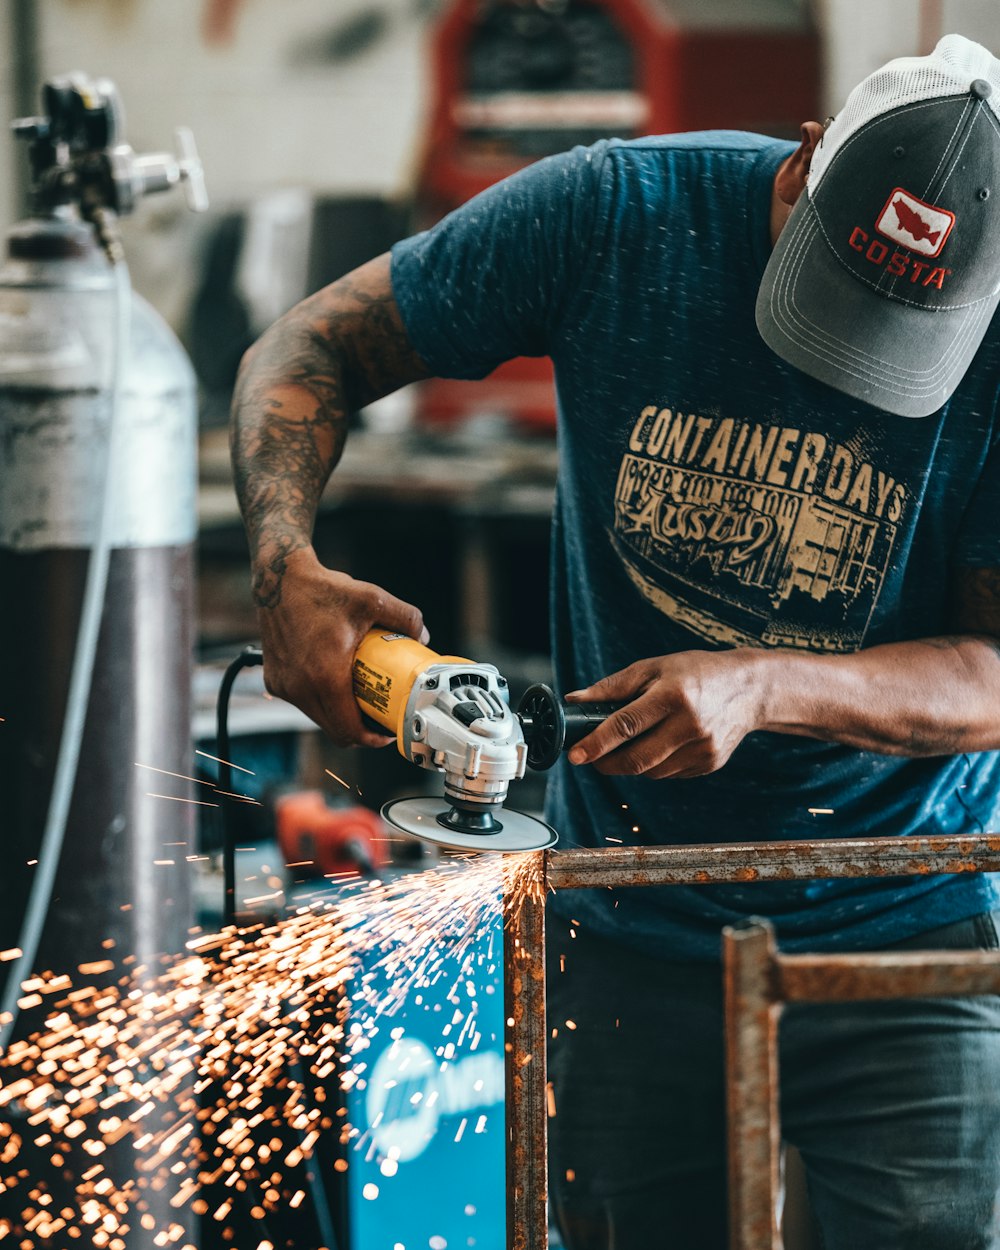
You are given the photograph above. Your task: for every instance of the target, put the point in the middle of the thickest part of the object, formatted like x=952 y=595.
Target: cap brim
x=824 y=321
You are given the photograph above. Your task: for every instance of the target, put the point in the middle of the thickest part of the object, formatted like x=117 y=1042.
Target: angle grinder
x=452 y=715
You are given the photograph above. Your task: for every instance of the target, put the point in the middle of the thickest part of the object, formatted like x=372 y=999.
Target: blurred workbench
x=473 y=468
x=456 y=522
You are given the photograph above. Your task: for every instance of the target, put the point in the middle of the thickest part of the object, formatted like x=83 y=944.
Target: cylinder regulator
x=97 y=460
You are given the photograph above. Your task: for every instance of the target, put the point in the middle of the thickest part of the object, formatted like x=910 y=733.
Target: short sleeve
x=495 y=278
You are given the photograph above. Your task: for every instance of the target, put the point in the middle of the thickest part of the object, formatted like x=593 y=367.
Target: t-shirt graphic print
x=754 y=534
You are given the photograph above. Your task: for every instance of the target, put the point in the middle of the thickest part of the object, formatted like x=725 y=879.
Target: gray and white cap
x=886 y=275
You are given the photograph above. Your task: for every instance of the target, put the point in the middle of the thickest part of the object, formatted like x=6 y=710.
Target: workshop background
x=326 y=130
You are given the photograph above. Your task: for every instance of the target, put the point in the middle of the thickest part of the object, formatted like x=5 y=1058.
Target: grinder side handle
x=551 y=726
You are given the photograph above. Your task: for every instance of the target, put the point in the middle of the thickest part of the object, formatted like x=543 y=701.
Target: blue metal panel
x=427 y=1168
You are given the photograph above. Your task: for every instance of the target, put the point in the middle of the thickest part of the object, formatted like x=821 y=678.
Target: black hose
x=250 y=657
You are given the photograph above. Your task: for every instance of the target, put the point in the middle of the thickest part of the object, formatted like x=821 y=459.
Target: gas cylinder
x=122 y=876
x=97 y=526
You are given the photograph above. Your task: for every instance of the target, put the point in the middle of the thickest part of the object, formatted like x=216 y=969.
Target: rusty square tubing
x=772 y=861
x=757 y=983
x=753 y=1133
x=525 y=1075
x=524 y=959
x=883 y=974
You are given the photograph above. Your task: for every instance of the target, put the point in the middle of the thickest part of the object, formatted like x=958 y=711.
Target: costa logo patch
x=921 y=227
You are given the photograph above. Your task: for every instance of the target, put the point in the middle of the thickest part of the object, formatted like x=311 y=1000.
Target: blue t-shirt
x=711 y=496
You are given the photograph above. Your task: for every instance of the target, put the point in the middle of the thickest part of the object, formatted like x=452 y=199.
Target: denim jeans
x=894 y=1106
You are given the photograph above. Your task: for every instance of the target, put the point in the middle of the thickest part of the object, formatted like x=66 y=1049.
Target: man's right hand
x=310 y=637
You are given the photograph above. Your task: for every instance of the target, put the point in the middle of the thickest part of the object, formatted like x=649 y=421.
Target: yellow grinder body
x=386 y=666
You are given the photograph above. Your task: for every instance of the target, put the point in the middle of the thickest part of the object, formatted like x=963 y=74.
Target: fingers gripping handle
x=551 y=726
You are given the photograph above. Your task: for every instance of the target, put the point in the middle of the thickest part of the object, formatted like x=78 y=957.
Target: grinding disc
x=419 y=816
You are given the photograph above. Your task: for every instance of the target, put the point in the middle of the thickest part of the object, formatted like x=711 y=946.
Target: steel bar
x=843 y=978
x=754 y=1131
x=527 y=1130
x=757 y=982
x=772 y=861
x=751 y=1035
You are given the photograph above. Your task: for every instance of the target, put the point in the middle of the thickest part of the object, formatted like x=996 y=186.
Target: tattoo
x=976 y=600
x=333 y=353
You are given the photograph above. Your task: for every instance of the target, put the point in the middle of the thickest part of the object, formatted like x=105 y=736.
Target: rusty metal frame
x=756 y=995
x=758 y=982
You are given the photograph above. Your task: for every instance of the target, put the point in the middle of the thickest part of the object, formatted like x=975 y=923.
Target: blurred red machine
x=320 y=838
x=516 y=80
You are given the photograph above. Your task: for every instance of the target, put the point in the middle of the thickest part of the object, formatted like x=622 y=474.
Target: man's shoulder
x=671 y=164
x=735 y=144
x=662 y=151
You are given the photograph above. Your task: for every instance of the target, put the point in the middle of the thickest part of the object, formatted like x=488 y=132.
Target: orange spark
x=176 y=798
x=229 y=762
x=167 y=773
x=218 y=1036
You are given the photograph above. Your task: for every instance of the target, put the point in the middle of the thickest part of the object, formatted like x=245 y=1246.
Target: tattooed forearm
x=333 y=353
x=288 y=432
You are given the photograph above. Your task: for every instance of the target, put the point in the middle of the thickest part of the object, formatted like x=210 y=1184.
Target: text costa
x=898 y=263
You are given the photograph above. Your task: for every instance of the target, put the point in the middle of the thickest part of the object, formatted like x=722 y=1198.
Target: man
x=786 y=567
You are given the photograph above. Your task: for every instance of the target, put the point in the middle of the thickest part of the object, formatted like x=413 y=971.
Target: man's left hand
x=682 y=716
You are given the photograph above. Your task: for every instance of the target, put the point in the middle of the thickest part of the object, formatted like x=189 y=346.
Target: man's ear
x=790 y=180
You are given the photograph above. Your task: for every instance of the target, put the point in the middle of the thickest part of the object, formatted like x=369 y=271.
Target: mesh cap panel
x=950 y=68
